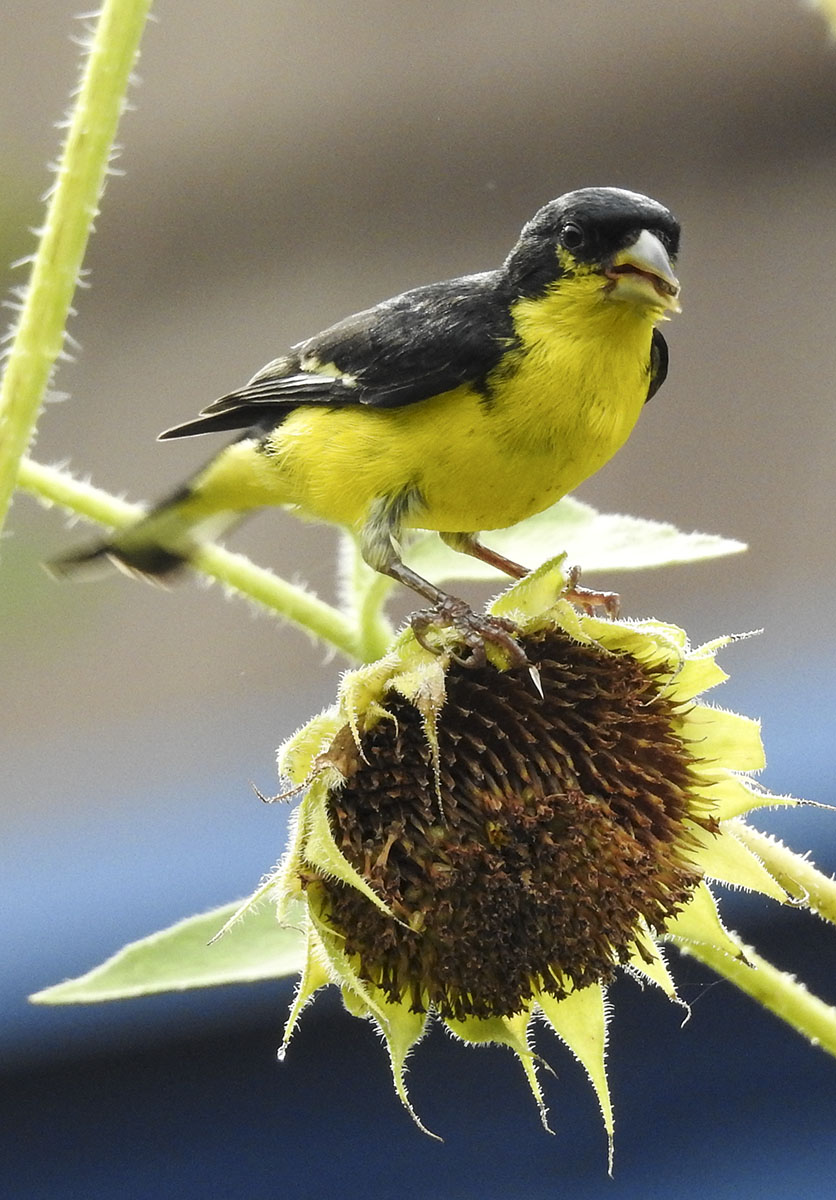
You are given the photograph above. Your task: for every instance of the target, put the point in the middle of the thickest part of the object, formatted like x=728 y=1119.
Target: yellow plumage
x=570 y=395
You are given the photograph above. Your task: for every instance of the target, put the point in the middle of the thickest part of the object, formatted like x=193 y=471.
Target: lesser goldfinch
x=458 y=407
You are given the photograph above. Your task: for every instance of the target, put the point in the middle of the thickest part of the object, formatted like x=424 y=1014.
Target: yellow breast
x=562 y=404
x=559 y=405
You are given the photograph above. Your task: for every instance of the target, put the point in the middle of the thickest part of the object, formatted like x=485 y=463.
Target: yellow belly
x=562 y=409
x=559 y=408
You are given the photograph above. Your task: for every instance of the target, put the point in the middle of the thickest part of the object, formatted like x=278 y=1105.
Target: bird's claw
x=474 y=629
x=587 y=599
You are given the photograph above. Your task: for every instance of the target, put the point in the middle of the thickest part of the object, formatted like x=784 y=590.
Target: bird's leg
x=583 y=597
x=378 y=545
x=587 y=599
x=468 y=543
x=475 y=628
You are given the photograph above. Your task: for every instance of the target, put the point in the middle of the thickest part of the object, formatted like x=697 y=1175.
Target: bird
x=455 y=407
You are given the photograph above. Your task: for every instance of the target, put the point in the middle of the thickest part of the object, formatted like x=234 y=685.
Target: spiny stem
x=797 y=875
x=776 y=990
x=80 y=176
x=363 y=593
x=290 y=601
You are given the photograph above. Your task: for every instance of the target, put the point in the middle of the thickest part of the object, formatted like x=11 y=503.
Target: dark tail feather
x=154 y=547
x=151 y=562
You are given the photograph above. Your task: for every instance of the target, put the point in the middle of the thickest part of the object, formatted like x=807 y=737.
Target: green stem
x=52 y=485
x=363 y=593
x=774 y=989
x=374 y=630
x=795 y=874
x=235 y=571
x=779 y=992
x=39 y=338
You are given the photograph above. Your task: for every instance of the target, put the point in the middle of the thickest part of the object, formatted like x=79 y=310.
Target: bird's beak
x=643 y=271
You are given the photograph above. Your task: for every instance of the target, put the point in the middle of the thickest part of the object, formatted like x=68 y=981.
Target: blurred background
x=284 y=166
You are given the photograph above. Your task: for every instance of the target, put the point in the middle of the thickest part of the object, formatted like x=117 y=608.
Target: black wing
x=404 y=350
x=658 y=364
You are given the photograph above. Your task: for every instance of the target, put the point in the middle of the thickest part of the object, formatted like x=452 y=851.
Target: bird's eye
x=572 y=236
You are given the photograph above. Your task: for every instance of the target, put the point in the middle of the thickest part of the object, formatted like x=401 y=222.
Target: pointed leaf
x=402 y=1029
x=693 y=677
x=179 y=957
x=314 y=976
x=322 y=852
x=724 y=737
x=736 y=795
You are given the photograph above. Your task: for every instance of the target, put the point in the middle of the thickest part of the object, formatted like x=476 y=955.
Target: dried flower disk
x=470 y=850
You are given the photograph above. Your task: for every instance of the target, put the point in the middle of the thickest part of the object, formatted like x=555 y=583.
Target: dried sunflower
x=489 y=846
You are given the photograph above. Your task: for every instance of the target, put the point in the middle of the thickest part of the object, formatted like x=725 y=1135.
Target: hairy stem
x=39 y=337
x=797 y=875
x=235 y=571
x=776 y=990
x=363 y=593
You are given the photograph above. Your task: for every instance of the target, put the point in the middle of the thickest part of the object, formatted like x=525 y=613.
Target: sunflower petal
x=580 y=1021
x=648 y=962
x=314 y=976
x=401 y=1031
x=699 y=924
x=322 y=852
x=693 y=676
x=504 y=1031
x=725 y=738
x=735 y=795
x=721 y=856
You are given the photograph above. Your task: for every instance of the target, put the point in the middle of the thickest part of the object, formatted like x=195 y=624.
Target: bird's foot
x=474 y=629
x=587 y=599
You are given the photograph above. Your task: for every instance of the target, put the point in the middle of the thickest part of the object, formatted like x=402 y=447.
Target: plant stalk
x=72 y=207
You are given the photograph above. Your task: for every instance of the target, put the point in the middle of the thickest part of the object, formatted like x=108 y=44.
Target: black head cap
x=589 y=226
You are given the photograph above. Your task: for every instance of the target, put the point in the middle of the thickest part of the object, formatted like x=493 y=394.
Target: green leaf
x=594 y=541
x=179 y=957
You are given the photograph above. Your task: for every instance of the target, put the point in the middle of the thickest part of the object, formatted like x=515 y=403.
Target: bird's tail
x=158 y=545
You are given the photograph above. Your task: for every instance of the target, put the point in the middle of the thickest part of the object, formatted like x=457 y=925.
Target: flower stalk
x=797 y=875
x=236 y=572
x=73 y=204
x=776 y=990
